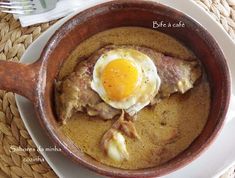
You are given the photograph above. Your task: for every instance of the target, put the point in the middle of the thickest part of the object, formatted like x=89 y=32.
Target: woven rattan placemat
x=13 y=41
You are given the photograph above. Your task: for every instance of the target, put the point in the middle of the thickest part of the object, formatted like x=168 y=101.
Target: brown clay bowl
x=35 y=81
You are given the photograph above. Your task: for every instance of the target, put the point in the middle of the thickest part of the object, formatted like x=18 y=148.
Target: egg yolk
x=119 y=78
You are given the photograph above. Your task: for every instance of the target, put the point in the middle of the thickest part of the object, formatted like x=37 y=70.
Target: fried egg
x=125 y=79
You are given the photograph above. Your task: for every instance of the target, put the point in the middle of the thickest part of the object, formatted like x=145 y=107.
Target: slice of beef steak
x=74 y=93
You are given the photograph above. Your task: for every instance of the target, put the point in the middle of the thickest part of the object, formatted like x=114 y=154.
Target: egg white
x=148 y=79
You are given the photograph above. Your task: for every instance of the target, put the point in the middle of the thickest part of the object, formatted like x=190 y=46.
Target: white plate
x=211 y=163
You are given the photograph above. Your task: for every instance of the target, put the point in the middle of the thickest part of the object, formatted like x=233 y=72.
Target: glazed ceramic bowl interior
x=142 y=14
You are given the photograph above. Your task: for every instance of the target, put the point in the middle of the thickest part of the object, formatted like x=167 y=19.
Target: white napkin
x=63 y=8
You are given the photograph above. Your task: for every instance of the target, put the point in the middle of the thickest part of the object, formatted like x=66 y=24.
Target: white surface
x=63 y=8
x=211 y=163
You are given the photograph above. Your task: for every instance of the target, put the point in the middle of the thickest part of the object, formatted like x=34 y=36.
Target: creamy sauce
x=166 y=129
